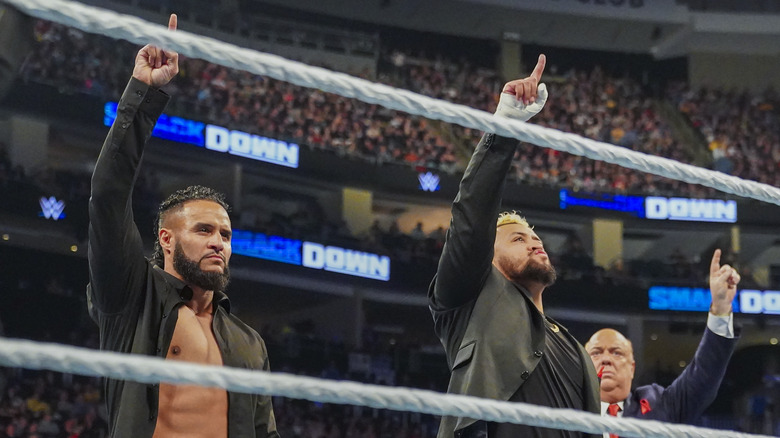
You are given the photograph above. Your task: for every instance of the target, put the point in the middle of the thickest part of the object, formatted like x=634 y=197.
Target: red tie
x=612 y=410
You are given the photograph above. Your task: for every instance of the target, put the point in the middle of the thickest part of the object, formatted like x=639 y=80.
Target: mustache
x=221 y=256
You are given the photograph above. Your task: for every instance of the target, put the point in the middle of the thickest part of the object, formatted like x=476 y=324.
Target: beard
x=538 y=272
x=533 y=271
x=192 y=273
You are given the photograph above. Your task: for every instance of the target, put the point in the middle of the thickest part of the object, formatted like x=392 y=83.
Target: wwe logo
x=51 y=208
x=429 y=182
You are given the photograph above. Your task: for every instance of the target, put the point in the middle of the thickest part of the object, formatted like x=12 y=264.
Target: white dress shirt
x=721 y=325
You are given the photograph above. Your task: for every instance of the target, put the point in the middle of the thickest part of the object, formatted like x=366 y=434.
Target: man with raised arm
x=486 y=297
x=174 y=306
x=695 y=389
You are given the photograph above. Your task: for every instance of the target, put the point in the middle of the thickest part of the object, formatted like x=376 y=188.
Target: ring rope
x=153 y=370
x=134 y=29
x=150 y=370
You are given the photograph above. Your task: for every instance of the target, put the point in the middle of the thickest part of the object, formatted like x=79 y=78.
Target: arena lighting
x=698 y=300
x=655 y=207
x=311 y=255
x=218 y=138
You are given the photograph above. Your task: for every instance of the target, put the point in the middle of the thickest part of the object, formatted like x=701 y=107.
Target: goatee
x=193 y=274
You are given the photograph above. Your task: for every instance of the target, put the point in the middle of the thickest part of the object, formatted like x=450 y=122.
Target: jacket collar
x=527 y=294
x=185 y=293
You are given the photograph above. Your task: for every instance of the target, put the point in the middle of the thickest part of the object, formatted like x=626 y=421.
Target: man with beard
x=174 y=306
x=486 y=298
x=692 y=391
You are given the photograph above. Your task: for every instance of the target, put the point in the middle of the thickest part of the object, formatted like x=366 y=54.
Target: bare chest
x=193 y=339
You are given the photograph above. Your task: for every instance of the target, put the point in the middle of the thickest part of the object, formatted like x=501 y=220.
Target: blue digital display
x=311 y=255
x=682 y=298
x=429 y=182
x=656 y=207
x=168 y=127
x=218 y=138
x=699 y=299
x=51 y=208
x=179 y=129
x=261 y=246
x=605 y=201
x=109 y=113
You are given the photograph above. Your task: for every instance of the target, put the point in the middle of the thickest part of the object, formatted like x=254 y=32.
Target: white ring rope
x=146 y=369
x=134 y=29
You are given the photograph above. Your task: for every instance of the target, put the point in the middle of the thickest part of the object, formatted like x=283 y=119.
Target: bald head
x=613 y=355
x=611 y=337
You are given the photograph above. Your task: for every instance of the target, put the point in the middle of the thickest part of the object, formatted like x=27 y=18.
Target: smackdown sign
x=656 y=207
x=699 y=299
x=311 y=255
x=219 y=139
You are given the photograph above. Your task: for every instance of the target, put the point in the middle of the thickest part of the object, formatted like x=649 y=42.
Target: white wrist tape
x=509 y=106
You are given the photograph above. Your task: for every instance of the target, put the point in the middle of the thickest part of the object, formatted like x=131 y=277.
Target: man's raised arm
x=468 y=250
x=696 y=388
x=115 y=247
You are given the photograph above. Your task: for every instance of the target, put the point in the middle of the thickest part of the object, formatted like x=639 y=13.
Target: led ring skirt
x=144 y=369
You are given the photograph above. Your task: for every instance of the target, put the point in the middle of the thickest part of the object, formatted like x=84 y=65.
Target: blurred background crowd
x=733 y=131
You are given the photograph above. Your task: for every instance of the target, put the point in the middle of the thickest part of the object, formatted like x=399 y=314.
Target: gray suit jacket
x=493 y=334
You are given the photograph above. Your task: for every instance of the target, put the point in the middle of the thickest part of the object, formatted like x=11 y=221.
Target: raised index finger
x=715 y=263
x=539 y=69
x=172 y=22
